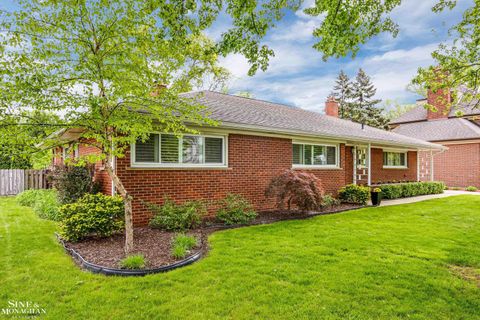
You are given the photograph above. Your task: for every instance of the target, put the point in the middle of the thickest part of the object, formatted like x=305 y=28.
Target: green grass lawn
x=417 y=261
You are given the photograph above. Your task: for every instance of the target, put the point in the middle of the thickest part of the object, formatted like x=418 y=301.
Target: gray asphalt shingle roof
x=420 y=113
x=258 y=114
x=440 y=130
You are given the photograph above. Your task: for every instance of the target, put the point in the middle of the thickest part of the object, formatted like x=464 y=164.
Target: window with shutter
x=213 y=150
x=147 y=151
x=168 y=150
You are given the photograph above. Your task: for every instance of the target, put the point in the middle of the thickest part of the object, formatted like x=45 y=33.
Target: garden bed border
x=94 y=268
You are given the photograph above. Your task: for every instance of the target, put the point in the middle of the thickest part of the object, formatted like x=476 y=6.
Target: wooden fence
x=14 y=181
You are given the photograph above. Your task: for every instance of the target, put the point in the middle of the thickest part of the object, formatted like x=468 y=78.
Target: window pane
x=169 y=148
x=394 y=159
x=213 y=150
x=147 y=151
x=319 y=155
x=307 y=154
x=331 y=155
x=297 y=154
x=192 y=149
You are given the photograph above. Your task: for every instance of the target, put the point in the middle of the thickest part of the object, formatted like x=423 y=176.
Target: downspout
x=354 y=151
x=369 y=168
x=418 y=165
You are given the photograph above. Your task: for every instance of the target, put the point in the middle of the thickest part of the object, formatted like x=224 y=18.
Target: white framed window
x=168 y=150
x=315 y=155
x=395 y=159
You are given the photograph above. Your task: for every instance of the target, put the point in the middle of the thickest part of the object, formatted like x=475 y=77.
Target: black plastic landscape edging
x=94 y=268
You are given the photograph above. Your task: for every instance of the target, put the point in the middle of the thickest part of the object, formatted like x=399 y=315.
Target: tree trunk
x=128 y=207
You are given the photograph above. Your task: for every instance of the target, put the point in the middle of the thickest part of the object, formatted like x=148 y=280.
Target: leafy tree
x=395 y=109
x=342 y=91
x=103 y=67
x=20 y=130
x=456 y=66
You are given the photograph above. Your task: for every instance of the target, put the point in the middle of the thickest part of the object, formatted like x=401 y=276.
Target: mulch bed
x=156 y=245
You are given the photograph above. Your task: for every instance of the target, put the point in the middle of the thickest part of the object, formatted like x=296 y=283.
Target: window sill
x=178 y=167
x=393 y=167
x=316 y=167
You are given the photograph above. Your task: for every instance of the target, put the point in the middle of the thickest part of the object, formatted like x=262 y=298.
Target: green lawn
x=388 y=263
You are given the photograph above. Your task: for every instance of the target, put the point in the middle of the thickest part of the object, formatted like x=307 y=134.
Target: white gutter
x=426 y=146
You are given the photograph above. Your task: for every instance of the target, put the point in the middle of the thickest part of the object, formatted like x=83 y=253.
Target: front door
x=361 y=165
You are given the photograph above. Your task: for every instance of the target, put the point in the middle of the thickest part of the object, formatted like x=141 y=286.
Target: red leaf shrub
x=301 y=189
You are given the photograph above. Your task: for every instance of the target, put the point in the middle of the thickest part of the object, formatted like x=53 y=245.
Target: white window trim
x=180 y=165
x=396 y=151
x=319 y=166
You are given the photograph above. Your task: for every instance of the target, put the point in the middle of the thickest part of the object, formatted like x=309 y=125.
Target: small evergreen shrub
x=411 y=189
x=134 y=262
x=174 y=217
x=182 y=244
x=72 y=182
x=471 y=188
x=296 y=188
x=92 y=214
x=354 y=194
x=329 y=201
x=43 y=202
x=235 y=209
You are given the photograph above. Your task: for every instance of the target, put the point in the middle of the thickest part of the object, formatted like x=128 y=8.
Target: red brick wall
x=379 y=174
x=100 y=174
x=459 y=166
x=253 y=161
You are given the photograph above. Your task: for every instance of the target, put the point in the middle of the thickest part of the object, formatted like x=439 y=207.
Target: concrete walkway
x=446 y=193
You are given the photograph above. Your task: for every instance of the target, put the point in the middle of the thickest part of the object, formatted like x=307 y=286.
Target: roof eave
x=425 y=146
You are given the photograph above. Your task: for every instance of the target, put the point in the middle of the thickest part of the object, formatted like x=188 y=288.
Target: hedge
x=404 y=190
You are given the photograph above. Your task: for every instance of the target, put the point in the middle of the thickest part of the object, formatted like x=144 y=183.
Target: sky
x=298 y=76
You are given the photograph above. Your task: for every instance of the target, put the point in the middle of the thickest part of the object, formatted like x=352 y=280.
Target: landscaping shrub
x=72 y=182
x=403 y=190
x=174 y=217
x=28 y=197
x=329 y=201
x=43 y=202
x=92 y=214
x=354 y=194
x=47 y=205
x=134 y=262
x=301 y=189
x=182 y=244
x=235 y=209
x=471 y=188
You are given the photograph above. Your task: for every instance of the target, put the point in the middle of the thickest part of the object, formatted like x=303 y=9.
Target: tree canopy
x=357 y=100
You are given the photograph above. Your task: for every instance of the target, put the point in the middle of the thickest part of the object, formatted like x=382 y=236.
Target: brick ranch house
x=459 y=165
x=255 y=141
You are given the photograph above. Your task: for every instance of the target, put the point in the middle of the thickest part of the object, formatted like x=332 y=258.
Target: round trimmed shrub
x=92 y=214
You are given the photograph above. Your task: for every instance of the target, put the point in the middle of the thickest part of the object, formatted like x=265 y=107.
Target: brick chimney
x=441 y=101
x=331 y=107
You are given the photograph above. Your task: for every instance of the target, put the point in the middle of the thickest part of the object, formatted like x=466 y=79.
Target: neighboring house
x=254 y=142
x=459 y=166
